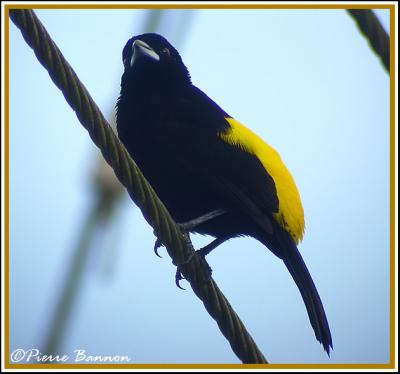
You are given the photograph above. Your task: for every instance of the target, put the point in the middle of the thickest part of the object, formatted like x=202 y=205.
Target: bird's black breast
x=161 y=133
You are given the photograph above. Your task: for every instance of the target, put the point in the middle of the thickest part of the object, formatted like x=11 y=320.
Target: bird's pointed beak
x=141 y=49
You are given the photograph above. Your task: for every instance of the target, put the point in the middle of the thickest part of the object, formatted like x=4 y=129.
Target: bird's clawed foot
x=157 y=245
x=206 y=275
x=192 y=224
x=178 y=278
x=201 y=253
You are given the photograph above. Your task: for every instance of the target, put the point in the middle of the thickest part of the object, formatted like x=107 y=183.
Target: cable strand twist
x=376 y=35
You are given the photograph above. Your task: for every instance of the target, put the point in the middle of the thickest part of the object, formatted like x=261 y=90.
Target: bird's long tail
x=291 y=256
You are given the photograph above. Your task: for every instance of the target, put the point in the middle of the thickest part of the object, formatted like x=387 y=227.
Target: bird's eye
x=166 y=52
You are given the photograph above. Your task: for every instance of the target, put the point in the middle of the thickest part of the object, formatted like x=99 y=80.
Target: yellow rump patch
x=290 y=214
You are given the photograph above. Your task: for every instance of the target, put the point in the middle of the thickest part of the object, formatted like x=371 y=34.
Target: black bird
x=201 y=161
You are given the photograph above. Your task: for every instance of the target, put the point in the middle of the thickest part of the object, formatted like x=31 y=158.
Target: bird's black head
x=152 y=63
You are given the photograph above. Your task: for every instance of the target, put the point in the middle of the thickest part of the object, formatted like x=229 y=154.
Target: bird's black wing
x=189 y=130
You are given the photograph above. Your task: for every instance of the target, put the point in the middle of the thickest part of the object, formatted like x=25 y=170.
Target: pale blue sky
x=308 y=83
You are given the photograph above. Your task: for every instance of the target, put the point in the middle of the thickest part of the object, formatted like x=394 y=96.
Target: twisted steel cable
x=178 y=245
x=376 y=35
